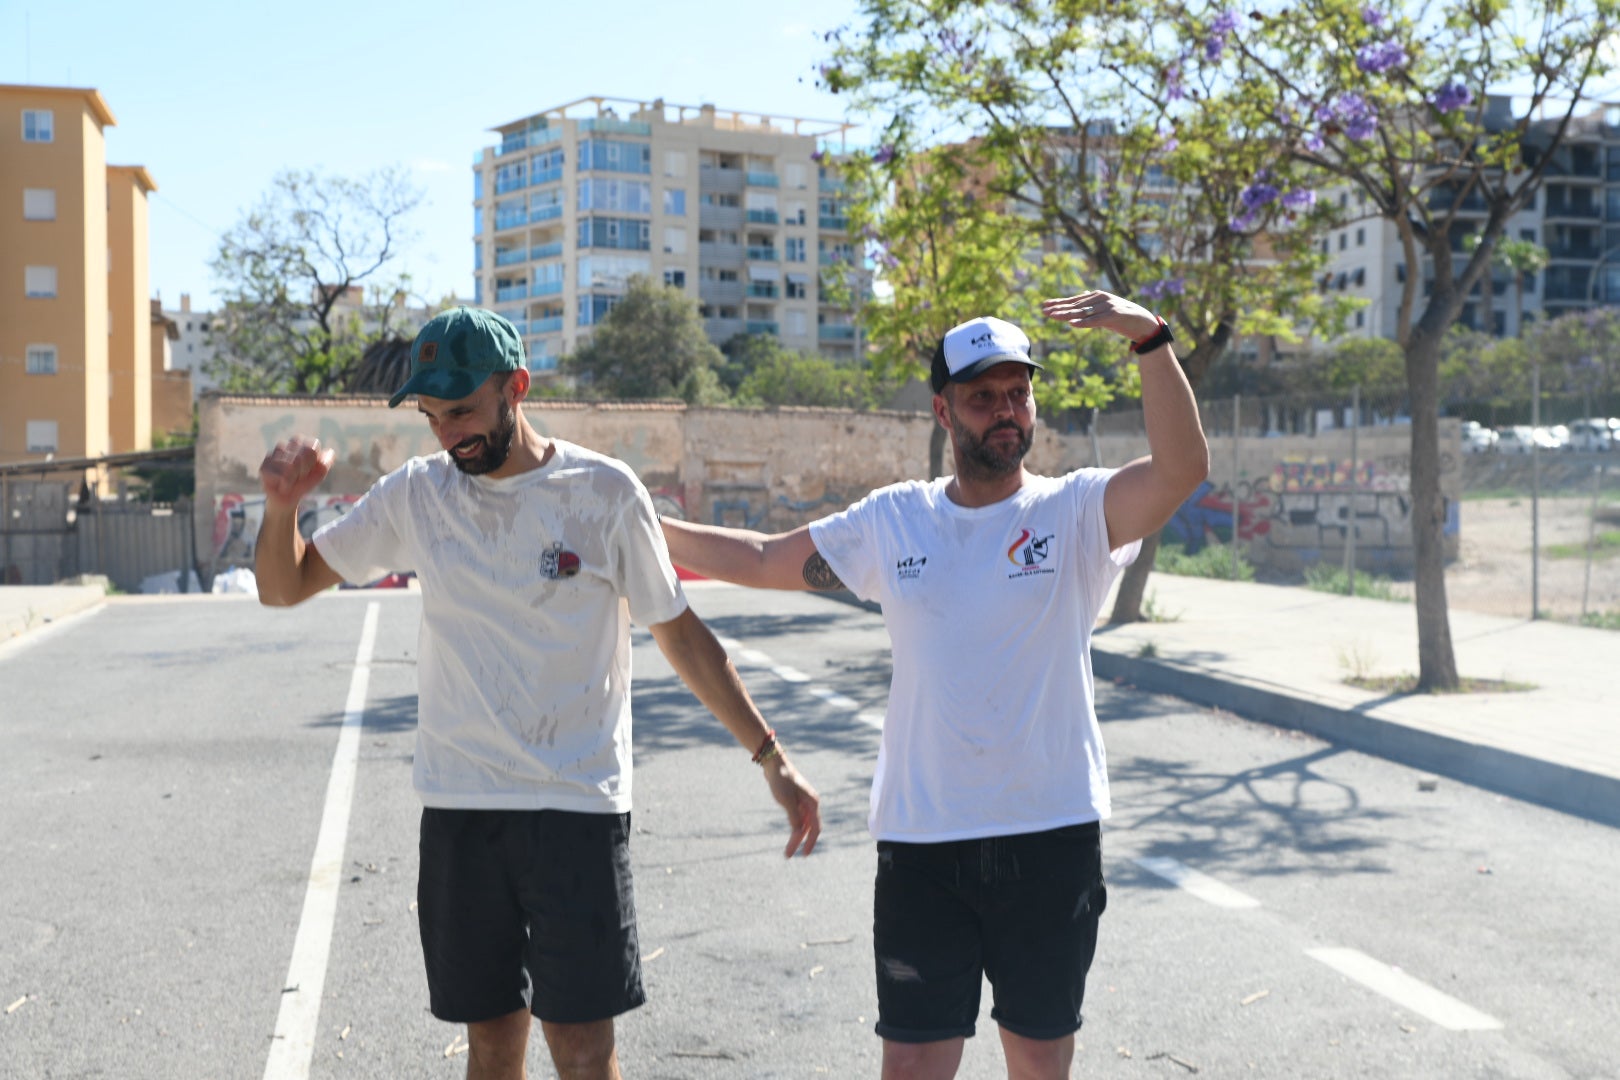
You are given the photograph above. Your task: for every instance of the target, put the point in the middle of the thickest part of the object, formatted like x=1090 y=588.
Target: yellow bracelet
x=774 y=750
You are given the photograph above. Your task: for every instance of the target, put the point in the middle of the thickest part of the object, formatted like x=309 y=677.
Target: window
x=1361 y=319
x=41 y=436
x=795 y=174
x=794 y=324
x=675 y=163
x=38 y=125
x=40 y=281
x=41 y=360
x=674 y=240
x=793 y=249
x=795 y=213
x=633 y=196
x=613 y=155
x=1361 y=237
x=39 y=204
x=798 y=286
x=675 y=279
x=675 y=201
x=1527 y=234
x=1344 y=240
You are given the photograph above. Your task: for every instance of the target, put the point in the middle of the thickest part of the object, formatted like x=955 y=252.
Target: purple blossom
x=884 y=155
x=1170 y=143
x=819 y=156
x=1314 y=143
x=1173 y=89
x=1244 y=221
x=1354 y=112
x=1372 y=17
x=1257 y=195
x=1380 y=56
x=1158 y=290
x=888 y=261
x=1219 y=31
x=1299 y=199
x=1452 y=96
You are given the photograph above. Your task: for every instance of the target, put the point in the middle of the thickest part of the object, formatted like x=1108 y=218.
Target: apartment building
x=75 y=323
x=736 y=209
x=1575 y=216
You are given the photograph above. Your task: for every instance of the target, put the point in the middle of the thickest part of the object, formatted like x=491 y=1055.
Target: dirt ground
x=1493 y=573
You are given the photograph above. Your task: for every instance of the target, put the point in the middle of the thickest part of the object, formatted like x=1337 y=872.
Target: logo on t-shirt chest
x=556 y=563
x=910 y=568
x=1029 y=552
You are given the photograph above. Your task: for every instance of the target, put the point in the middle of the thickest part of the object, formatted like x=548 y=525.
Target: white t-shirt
x=529 y=583
x=991 y=728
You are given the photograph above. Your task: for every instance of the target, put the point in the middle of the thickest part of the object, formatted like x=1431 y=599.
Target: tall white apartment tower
x=737 y=209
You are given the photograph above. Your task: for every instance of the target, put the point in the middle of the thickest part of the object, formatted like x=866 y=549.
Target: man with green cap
x=533 y=554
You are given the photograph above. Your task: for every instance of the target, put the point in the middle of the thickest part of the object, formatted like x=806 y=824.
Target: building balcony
x=723 y=330
x=511 y=183
x=545 y=213
x=550 y=325
x=546 y=176
x=763 y=217
x=1575 y=211
x=763 y=326
x=710 y=252
x=725 y=181
x=758 y=178
x=511 y=257
x=833 y=223
x=511 y=220
x=835 y=332
x=546 y=288
x=511 y=292
x=546 y=251
x=720 y=217
x=765 y=290
x=830 y=186
x=720 y=292
x=762 y=254
x=1582 y=252
x=608 y=125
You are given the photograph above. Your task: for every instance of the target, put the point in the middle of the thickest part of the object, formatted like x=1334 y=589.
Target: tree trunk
x=1133 y=586
x=1487 y=302
x=1437 y=662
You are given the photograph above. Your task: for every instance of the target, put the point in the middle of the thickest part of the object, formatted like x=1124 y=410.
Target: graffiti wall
x=1297 y=499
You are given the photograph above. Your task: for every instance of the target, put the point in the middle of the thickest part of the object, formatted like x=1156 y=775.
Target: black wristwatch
x=1148 y=344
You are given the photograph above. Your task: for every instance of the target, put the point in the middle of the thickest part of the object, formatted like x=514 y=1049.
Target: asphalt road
x=1277 y=907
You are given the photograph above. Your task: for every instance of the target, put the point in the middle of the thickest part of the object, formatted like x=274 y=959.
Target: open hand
x=293 y=469
x=801 y=802
x=1103 y=311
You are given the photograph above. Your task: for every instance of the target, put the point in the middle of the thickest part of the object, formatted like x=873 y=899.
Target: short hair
x=939 y=375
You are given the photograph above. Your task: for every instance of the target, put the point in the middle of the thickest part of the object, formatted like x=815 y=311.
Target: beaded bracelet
x=770 y=739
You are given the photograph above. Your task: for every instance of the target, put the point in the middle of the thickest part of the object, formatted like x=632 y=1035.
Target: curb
x=1558 y=787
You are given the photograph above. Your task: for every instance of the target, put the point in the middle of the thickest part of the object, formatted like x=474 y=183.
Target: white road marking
x=1405 y=991
x=1200 y=885
x=294 y=1042
x=754 y=656
x=835 y=699
x=875 y=719
x=789 y=674
x=727 y=643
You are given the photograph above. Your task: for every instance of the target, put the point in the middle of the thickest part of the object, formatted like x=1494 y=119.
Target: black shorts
x=528 y=909
x=1021 y=910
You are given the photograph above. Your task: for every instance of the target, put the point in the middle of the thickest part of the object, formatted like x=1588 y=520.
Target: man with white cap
x=991 y=779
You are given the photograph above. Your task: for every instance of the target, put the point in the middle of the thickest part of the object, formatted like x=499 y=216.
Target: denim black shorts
x=1019 y=910
x=528 y=909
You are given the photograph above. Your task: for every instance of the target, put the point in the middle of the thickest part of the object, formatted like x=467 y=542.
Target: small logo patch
x=556 y=563
x=430 y=349
x=911 y=567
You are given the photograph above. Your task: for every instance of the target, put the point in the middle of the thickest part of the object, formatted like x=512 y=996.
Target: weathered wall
x=776 y=469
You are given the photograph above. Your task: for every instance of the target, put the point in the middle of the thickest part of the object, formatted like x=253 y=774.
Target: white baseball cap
x=974 y=347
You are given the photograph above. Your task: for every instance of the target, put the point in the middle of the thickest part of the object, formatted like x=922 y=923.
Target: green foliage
x=1330 y=578
x=1351 y=362
x=784 y=377
x=1602 y=620
x=290 y=273
x=1605 y=545
x=650 y=345
x=1210 y=561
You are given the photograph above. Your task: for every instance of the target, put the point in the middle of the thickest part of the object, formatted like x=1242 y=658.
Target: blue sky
x=216 y=98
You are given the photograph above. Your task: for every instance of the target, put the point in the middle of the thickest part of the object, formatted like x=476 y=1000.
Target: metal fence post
x=1591 y=537
x=1237 y=425
x=1535 y=491
x=1355 y=465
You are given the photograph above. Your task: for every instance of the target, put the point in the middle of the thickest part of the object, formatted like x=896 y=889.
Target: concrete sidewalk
x=1280 y=655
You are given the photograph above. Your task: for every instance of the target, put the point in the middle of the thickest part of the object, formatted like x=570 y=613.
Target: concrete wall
x=776 y=469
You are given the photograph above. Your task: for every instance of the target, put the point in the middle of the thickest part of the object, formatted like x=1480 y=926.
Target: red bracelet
x=1150 y=337
x=770 y=737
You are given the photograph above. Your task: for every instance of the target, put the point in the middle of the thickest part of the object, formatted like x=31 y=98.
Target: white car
x=1514 y=440
x=1594 y=434
x=1477 y=438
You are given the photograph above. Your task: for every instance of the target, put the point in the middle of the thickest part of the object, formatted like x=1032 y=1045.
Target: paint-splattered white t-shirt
x=991 y=728
x=529 y=583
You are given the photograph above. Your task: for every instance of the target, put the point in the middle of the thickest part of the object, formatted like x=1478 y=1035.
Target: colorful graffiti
x=237 y=519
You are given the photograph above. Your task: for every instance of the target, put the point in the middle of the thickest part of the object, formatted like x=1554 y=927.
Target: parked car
x=1555 y=437
x=1477 y=438
x=1516 y=439
x=1593 y=434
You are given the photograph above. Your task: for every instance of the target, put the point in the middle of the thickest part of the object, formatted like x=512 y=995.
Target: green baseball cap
x=457 y=350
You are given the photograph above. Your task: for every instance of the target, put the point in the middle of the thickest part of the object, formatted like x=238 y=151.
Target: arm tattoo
x=818 y=575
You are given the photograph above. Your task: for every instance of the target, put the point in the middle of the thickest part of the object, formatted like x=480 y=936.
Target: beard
x=983 y=460
x=495 y=445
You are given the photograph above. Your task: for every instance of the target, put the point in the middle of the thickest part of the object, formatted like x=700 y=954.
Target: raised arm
x=703 y=666
x=1144 y=494
x=745 y=557
x=288 y=570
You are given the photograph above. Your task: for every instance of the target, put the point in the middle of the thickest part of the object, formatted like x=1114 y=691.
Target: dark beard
x=497 y=444
x=981 y=461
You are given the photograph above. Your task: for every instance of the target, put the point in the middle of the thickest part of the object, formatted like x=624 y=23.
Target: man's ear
x=518 y=385
x=942 y=411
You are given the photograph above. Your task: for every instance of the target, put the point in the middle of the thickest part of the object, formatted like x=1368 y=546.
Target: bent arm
x=289 y=570
x=746 y=557
x=1144 y=495
x=703 y=666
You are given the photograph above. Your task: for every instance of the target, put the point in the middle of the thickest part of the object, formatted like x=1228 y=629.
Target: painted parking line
x=833 y=698
x=1200 y=885
x=294 y=1043
x=870 y=718
x=1405 y=991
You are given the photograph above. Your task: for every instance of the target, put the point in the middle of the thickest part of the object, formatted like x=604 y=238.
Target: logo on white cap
x=979 y=344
